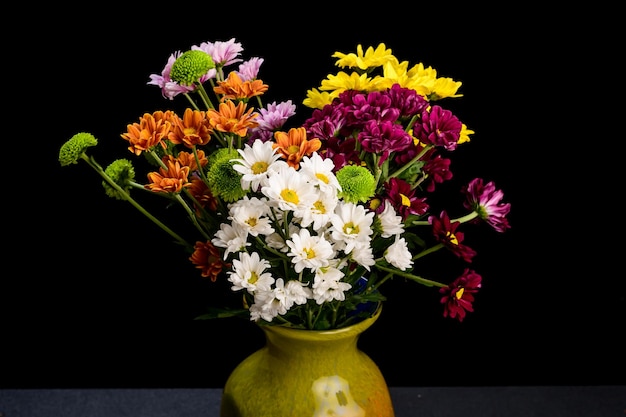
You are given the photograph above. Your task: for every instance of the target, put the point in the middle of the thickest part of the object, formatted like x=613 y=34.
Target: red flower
x=403 y=199
x=445 y=232
x=458 y=296
x=208 y=258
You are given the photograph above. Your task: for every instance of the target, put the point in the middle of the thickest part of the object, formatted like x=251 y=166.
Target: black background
x=95 y=296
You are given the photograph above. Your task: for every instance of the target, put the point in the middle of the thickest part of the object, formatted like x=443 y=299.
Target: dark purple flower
x=438 y=127
x=407 y=101
x=383 y=138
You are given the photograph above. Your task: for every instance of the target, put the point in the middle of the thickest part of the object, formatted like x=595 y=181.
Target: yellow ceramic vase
x=308 y=373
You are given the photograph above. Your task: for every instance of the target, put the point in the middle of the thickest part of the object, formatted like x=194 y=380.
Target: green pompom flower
x=224 y=181
x=190 y=66
x=122 y=173
x=72 y=150
x=357 y=183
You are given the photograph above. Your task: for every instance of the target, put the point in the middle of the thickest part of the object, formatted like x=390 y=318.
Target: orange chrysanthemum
x=233 y=88
x=208 y=259
x=293 y=145
x=199 y=190
x=187 y=159
x=149 y=132
x=170 y=180
x=192 y=129
x=233 y=119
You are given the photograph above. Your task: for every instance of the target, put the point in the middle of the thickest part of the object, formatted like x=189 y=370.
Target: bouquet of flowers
x=307 y=221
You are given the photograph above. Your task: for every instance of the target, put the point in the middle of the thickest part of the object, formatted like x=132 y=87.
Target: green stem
x=463 y=219
x=412 y=277
x=193 y=103
x=466 y=218
x=92 y=163
x=205 y=97
x=192 y=216
x=430 y=250
x=380 y=282
x=409 y=125
x=407 y=165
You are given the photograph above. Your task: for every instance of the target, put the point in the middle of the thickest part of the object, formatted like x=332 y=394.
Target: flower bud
x=190 y=66
x=72 y=150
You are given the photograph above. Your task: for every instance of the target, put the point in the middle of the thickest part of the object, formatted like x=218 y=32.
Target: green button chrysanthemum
x=224 y=181
x=357 y=183
x=190 y=66
x=122 y=173
x=72 y=150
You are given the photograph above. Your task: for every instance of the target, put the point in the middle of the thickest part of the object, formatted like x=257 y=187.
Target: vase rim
x=355 y=328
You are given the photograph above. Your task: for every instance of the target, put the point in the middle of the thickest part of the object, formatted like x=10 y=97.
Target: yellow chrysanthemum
x=424 y=80
x=370 y=59
x=464 y=136
x=393 y=73
x=421 y=79
x=445 y=87
x=342 y=81
x=317 y=99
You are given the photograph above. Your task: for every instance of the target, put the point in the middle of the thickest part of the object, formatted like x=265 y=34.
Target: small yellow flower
x=317 y=99
x=342 y=81
x=370 y=59
x=464 y=136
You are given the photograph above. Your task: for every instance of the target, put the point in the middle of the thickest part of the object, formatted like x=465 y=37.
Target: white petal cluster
x=257 y=163
x=292 y=239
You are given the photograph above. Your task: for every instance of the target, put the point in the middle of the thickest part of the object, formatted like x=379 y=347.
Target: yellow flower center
x=310 y=253
x=290 y=196
x=252 y=221
x=293 y=149
x=322 y=178
x=319 y=207
x=405 y=200
x=189 y=131
x=459 y=293
x=452 y=238
x=375 y=203
x=253 y=277
x=259 y=167
x=350 y=228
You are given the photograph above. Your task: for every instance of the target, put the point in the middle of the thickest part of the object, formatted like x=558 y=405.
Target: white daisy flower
x=351 y=224
x=309 y=251
x=251 y=214
x=297 y=292
x=320 y=211
x=363 y=255
x=271 y=303
x=266 y=306
x=320 y=172
x=398 y=254
x=256 y=164
x=233 y=237
x=327 y=285
x=248 y=273
x=390 y=222
x=289 y=191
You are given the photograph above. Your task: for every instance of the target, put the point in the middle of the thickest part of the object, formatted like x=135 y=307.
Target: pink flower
x=485 y=200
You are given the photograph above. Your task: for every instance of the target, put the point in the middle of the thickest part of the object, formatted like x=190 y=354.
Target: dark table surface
x=511 y=401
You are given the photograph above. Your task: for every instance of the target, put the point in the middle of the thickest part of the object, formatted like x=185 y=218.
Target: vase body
x=308 y=373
